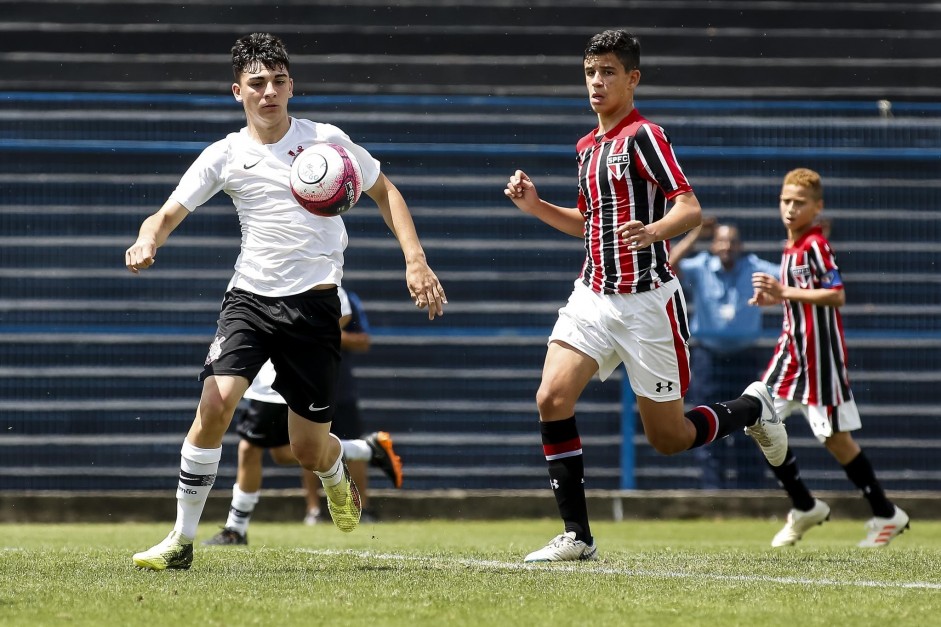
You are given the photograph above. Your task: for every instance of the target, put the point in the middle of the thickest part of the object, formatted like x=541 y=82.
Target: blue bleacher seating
x=98 y=367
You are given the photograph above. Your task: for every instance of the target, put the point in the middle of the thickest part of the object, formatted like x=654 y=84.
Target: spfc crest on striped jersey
x=802 y=276
x=618 y=164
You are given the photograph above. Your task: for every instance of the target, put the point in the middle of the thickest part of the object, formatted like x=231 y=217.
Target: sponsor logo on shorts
x=312 y=408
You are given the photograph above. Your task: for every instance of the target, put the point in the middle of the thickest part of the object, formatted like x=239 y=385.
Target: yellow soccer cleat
x=176 y=551
x=344 y=502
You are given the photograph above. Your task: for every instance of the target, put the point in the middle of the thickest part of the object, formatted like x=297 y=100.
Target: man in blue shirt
x=725 y=330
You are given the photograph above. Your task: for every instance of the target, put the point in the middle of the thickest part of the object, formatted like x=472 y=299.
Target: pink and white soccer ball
x=326 y=179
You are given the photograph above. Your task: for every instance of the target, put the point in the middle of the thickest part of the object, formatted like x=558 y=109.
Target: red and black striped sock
x=563 y=450
x=717 y=420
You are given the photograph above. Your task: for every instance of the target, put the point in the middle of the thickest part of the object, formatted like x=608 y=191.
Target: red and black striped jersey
x=628 y=173
x=809 y=362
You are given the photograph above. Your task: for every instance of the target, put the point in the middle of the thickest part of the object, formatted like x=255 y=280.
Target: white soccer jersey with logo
x=285 y=249
x=260 y=388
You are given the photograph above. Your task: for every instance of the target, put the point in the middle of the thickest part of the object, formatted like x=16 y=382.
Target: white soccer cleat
x=881 y=531
x=798 y=523
x=564 y=548
x=769 y=431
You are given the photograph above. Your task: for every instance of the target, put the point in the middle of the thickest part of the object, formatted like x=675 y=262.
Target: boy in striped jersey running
x=627 y=305
x=807 y=373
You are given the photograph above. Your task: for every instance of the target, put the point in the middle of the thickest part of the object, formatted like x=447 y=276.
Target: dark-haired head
x=624 y=45
x=251 y=52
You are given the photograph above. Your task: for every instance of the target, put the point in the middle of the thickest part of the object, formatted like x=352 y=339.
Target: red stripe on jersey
x=809 y=363
x=811 y=354
x=563 y=449
x=629 y=173
x=677 y=315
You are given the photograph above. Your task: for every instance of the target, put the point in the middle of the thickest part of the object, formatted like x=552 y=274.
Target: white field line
x=588 y=567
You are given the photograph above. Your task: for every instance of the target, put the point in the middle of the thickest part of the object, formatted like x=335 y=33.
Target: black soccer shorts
x=301 y=336
x=263 y=424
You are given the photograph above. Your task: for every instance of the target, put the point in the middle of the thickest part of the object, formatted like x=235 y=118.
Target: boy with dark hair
x=282 y=302
x=627 y=305
x=807 y=373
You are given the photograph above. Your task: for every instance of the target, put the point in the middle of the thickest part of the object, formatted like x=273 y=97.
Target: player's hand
x=141 y=255
x=636 y=235
x=520 y=189
x=425 y=289
x=768 y=290
x=707 y=228
x=761 y=299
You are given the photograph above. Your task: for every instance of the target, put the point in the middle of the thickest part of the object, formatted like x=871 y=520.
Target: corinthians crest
x=215 y=349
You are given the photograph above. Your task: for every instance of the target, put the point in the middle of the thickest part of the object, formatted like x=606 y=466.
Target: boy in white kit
x=282 y=302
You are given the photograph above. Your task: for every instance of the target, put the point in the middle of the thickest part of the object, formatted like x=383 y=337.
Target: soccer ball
x=326 y=179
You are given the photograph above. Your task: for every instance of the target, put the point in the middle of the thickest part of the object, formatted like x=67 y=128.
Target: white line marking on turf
x=582 y=567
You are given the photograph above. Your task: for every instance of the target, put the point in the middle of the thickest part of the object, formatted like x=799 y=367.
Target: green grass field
x=705 y=572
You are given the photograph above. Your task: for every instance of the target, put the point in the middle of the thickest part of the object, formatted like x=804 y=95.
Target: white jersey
x=260 y=389
x=285 y=249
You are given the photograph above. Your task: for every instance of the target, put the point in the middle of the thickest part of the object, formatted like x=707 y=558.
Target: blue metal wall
x=98 y=367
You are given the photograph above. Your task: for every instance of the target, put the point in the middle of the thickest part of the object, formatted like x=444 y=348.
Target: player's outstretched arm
x=522 y=191
x=423 y=285
x=154 y=231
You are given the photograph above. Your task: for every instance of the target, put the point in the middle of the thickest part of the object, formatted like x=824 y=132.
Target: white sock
x=335 y=474
x=240 y=512
x=198 y=468
x=356 y=450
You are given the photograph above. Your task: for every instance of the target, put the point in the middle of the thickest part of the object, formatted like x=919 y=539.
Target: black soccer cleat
x=384 y=457
x=227 y=537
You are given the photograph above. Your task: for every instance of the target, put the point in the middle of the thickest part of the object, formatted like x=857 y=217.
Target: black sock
x=716 y=421
x=789 y=477
x=563 y=450
x=863 y=477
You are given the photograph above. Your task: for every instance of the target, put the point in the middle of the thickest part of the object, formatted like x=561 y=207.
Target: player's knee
x=317 y=455
x=551 y=403
x=216 y=407
x=667 y=443
x=283 y=456
x=248 y=452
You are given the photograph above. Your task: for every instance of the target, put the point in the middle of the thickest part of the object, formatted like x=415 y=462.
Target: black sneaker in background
x=226 y=537
x=384 y=457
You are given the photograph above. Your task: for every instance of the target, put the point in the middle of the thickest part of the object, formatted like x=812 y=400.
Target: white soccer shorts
x=645 y=331
x=823 y=419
